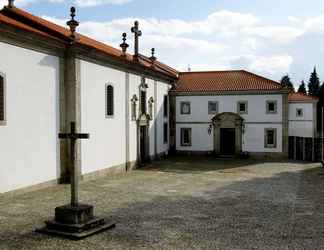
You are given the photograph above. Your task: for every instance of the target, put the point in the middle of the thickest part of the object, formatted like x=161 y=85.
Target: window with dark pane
x=143 y=102
x=165 y=106
x=185 y=136
x=110 y=100
x=2 y=101
x=165 y=132
x=212 y=107
x=270 y=138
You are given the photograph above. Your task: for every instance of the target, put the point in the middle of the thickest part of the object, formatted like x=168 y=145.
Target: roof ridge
x=211 y=71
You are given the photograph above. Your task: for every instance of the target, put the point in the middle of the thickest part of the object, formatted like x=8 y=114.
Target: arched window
x=109 y=100
x=2 y=100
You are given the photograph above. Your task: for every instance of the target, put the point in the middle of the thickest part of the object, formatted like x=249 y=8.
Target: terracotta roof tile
x=44 y=27
x=299 y=97
x=236 y=80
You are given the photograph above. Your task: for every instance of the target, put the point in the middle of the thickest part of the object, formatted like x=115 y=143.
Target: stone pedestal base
x=75 y=222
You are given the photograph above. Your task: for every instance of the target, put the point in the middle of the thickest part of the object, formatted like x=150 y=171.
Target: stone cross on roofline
x=11 y=3
x=137 y=34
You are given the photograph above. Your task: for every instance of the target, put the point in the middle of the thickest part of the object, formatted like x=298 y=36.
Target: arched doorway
x=228 y=130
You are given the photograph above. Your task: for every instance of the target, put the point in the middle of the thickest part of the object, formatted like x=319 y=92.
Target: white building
x=48 y=79
x=46 y=82
x=230 y=112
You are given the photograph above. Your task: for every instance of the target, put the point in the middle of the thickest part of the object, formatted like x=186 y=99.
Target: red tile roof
x=299 y=97
x=213 y=81
x=24 y=20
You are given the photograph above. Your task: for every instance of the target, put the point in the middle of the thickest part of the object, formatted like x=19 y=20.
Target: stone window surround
x=246 y=107
x=106 y=100
x=4 y=121
x=182 y=137
x=275 y=106
x=217 y=108
x=185 y=103
x=301 y=110
x=266 y=145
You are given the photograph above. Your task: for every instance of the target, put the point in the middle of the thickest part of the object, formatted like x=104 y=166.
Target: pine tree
x=314 y=84
x=286 y=82
x=302 y=88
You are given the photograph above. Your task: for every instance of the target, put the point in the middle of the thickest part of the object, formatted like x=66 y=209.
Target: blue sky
x=271 y=38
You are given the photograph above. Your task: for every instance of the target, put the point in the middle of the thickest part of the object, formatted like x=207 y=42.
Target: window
x=165 y=106
x=270 y=137
x=185 y=136
x=165 y=133
x=143 y=102
x=134 y=102
x=271 y=107
x=185 y=108
x=150 y=104
x=242 y=107
x=299 y=112
x=109 y=100
x=212 y=108
x=2 y=100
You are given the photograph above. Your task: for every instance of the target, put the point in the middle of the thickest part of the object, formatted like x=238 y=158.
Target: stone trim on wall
x=4 y=121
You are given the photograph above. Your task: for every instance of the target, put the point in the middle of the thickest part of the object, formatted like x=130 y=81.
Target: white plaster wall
x=256 y=121
x=28 y=143
x=200 y=139
x=162 y=90
x=253 y=139
x=106 y=147
x=150 y=93
x=301 y=126
x=256 y=107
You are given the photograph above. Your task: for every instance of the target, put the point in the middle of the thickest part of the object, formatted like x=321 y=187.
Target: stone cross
x=137 y=34
x=11 y=3
x=73 y=137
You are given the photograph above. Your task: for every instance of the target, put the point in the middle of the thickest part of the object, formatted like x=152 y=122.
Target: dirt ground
x=184 y=203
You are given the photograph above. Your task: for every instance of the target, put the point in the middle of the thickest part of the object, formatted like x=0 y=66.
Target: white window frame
x=213 y=112
x=185 y=103
x=239 y=107
x=302 y=112
x=183 y=144
x=266 y=145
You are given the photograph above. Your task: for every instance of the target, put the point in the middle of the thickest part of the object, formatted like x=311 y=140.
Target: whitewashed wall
x=106 y=147
x=301 y=126
x=256 y=121
x=29 y=150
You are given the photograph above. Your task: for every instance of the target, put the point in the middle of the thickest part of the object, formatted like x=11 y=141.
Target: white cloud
x=91 y=3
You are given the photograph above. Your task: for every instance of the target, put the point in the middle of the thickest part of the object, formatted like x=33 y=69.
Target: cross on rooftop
x=137 y=34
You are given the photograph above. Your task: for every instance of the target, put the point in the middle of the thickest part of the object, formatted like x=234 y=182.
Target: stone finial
x=153 y=58
x=73 y=24
x=124 y=45
x=11 y=3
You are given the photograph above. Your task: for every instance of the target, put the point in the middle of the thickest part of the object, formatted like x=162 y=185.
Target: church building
x=135 y=108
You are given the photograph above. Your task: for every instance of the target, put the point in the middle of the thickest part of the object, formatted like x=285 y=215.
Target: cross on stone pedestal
x=137 y=34
x=73 y=137
x=75 y=221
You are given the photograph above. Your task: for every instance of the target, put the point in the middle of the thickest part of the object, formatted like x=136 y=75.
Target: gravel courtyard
x=184 y=203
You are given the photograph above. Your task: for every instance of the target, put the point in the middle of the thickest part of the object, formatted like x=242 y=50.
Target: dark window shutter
x=2 y=104
x=165 y=108
x=110 y=100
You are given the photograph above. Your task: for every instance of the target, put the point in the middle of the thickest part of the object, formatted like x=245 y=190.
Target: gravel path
x=185 y=203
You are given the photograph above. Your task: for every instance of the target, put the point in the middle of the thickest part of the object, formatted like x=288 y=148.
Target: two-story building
x=230 y=112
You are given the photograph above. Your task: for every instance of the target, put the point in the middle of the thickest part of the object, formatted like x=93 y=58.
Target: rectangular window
x=212 y=107
x=270 y=137
x=242 y=107
x=299 y=112
x=2 y=100
x=185 y=108
x=271 y=107
x=109 y=100
x=165 y=106
x=186 y=137
x=165 y=133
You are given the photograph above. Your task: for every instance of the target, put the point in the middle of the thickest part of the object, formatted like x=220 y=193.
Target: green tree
x=286 y=82
x=302 y=88
x=314 y=84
